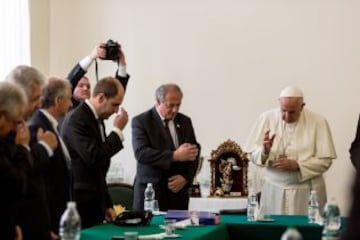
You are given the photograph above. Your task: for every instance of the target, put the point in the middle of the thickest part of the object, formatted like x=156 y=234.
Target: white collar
x=52 y=120
x=87 y=101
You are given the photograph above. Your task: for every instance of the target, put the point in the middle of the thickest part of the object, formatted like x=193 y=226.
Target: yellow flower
x=118 y=209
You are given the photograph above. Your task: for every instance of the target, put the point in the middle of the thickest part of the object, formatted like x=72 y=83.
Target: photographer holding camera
x=106 y=51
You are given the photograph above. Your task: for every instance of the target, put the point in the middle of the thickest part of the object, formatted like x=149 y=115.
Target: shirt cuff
x=47 y=148
x=119 y=133
x=86 y=63
x=122 y=71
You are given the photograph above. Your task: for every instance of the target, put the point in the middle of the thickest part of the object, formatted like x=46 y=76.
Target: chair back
x=121 y=193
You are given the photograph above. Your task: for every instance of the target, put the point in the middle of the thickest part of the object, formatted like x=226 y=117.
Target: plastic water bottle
x=332 y=221
x=313 y=208
x=252 y=207
x=149 y=197
x=70 y=223
x=291 y=233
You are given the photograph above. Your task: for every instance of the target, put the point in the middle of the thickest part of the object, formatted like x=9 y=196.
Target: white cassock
x=308 y=141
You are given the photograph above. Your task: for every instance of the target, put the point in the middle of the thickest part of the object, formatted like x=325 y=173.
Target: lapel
x=89 y=115
x=178 y=128
x=103 y=134
x=49 y=127
x=45 y=122
x=160 y=125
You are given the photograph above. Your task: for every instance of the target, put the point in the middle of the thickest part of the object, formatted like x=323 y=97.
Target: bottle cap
x=71 y=204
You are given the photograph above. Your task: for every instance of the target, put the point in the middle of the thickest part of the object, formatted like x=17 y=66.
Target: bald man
x=90 y=149
x=295 y=148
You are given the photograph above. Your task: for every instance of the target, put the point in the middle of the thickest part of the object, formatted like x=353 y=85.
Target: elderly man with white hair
x=295 y=147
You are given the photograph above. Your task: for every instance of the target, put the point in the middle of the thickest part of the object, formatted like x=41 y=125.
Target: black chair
x=121 y=193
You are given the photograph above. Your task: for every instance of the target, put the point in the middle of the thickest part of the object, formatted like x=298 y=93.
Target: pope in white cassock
x=291 y=147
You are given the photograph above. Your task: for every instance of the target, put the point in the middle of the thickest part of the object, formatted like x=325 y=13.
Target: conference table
x=230 y=227
x=239 y=228
x=108 y=230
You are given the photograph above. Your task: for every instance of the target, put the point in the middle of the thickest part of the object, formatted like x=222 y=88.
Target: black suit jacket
x=90 y=156
x=55 y=172
x=153 y=150
x=33 y=215
x=351 y=231
x=355 y=149
x=13 y=166
x=77 y=73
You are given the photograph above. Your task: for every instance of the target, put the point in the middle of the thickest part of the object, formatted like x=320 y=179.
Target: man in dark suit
x=355 y=149
x=352 y=227
x=33 y=216
x=56 y=100
x=90 y=149
x=166 y=151
x=13 y=163
x=80 y=85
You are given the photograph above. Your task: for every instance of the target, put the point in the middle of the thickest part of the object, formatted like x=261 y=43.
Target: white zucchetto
x=291 y=91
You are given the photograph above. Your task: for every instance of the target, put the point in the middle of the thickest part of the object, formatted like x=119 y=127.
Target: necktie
x=167 y=130
x=66 y=153
x=102 y=129
x=171 y=131
x=64 y=149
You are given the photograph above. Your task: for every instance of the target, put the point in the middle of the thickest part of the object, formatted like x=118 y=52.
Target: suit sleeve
x=190 y=170
x=13 y=172
x=144 y=147
x=122 y=80
x=355 y=148
x=39 y=153
x=80 y=138
x=75 y=75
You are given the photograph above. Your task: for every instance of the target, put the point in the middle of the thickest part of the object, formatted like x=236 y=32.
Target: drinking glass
x=194 y=218
x=169 y=226
x=156 y=207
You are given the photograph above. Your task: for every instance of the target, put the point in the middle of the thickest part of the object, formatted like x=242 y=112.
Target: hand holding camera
x=98 y=52
x=112 y=51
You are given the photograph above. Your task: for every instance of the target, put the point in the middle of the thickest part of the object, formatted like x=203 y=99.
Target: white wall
x=231 y=58
x=40 y=35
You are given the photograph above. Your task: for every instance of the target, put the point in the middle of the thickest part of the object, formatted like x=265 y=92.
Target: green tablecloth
x=240 y=228
x=106 y=231
x=234 y=227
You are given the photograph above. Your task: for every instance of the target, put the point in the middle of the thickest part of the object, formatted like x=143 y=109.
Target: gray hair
x=54 y=88
x=12 y=97
x=27 y=77
x=162 y=90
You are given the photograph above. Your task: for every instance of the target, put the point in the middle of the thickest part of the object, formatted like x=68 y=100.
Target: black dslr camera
x=112 y=50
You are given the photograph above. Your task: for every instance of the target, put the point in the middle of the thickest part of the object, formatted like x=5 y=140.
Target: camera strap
x=96 y=71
